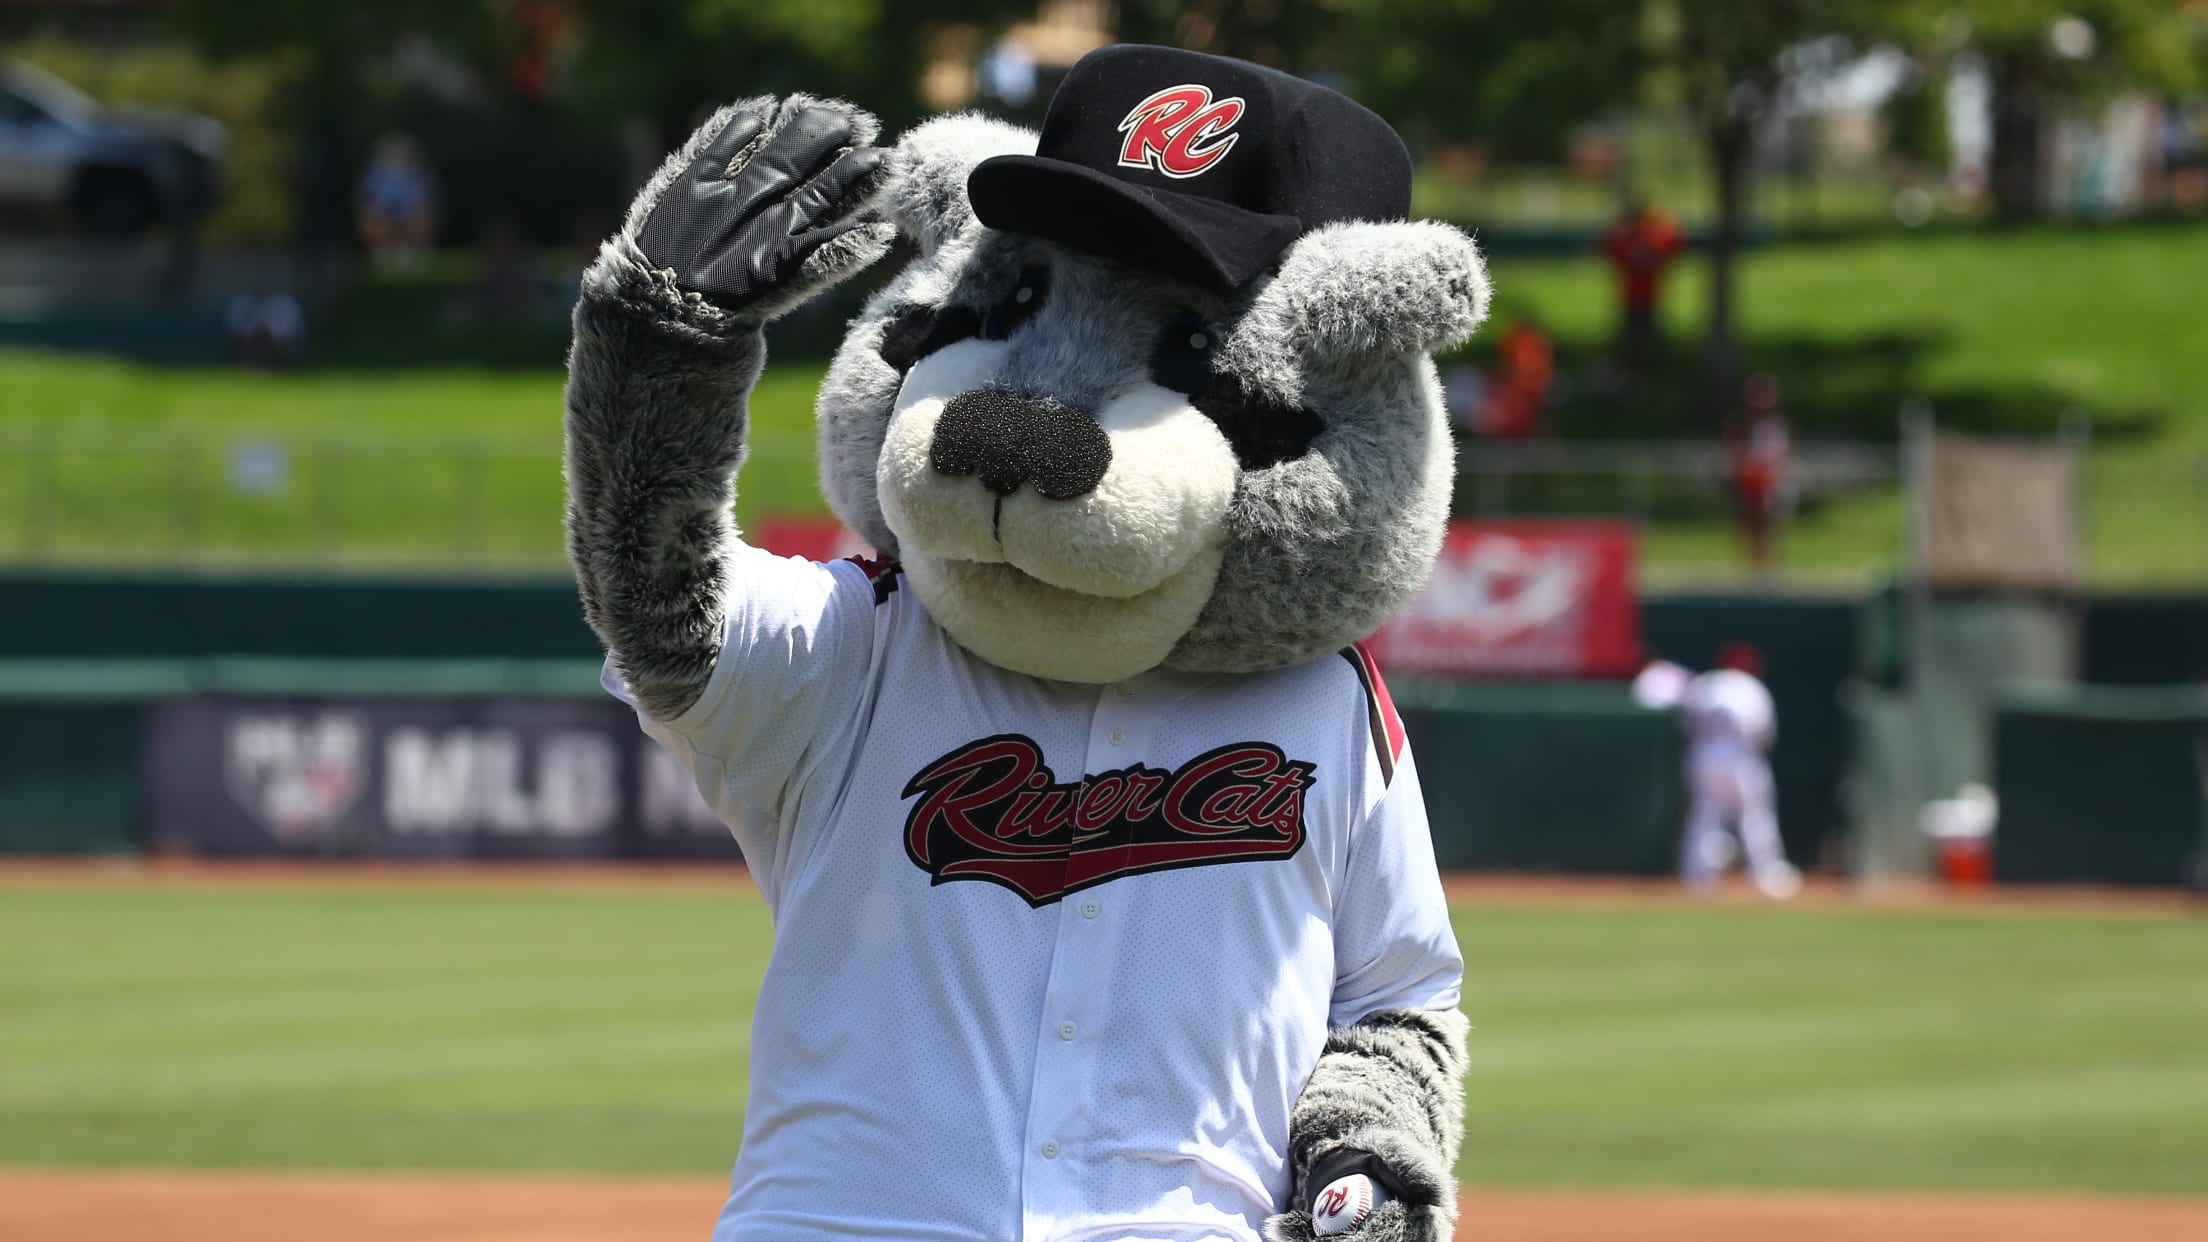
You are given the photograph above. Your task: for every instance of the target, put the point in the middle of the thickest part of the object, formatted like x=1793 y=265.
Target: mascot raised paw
x=1105 y=906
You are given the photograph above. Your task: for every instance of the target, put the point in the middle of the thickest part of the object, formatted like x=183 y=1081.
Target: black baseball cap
x=1194 y=166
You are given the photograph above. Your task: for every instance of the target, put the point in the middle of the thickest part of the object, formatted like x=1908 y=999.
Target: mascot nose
x=1009 y=441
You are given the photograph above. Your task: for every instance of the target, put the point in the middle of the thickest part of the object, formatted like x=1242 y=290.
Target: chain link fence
x=111 y=493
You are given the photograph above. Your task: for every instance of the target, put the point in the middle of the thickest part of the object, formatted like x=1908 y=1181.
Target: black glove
x=1343 y=1161
x=765 y=194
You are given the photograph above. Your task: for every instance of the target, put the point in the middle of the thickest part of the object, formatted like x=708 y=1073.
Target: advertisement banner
x=418 y=778
x=1522 y=599
x=815 y=538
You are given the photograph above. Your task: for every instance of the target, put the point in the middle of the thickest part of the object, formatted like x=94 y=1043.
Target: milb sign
x=419 y=778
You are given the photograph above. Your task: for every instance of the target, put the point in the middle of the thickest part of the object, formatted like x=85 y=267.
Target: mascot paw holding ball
x=1105 y=905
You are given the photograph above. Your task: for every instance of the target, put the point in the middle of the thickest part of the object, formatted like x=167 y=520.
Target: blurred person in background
x=2185 y=155
x=1731 y=724
x=1756 y=467
x=2196 y=866
x=397 y=203
x=1464 y=395
x=506 y=287
x=1511 y=404
x=1640 y=245
x=265 y=329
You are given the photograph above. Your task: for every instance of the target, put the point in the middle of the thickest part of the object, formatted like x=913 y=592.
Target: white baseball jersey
x=1052 y=961
x=1729 y=716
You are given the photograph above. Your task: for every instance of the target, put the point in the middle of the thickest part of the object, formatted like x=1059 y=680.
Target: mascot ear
x=924 y=190
x=1357 y=291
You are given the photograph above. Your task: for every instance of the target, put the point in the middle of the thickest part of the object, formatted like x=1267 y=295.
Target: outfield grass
x=102 y=459
x=255 y=1027
x=1999 y=331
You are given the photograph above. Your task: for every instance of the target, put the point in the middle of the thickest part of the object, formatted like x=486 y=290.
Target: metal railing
x=108 y=492
x=204 y=496
x=1638 y=467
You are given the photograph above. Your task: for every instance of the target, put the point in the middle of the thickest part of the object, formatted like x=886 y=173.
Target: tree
x=1723 y=57
x=555 y=89
x=1513 y=77
x=1299 y=38
x=669 y=60
x=1518 y=76
x=2041 y=54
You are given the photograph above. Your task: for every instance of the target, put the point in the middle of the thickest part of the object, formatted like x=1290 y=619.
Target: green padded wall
x=120 y=616
x=68 y=776
x=2140 y=640
x=2098 y=783
x=1550 y=777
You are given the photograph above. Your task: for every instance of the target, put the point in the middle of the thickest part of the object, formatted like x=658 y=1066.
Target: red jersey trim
x=1387 y=726
x=881 y=573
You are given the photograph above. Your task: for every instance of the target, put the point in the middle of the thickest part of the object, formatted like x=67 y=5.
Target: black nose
x=1009 y=441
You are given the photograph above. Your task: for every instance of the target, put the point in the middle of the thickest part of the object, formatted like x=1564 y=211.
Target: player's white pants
x=1732 y=789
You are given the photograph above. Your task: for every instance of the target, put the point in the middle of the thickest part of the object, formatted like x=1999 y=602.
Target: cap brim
x=1179 y=235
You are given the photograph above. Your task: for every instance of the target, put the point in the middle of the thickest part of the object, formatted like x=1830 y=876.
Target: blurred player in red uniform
x=1526 y=362
x=1642 y=243
x=1762 y=448
x=2196 y=866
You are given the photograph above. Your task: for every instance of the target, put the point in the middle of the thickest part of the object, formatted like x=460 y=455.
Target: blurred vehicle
x=113 y=172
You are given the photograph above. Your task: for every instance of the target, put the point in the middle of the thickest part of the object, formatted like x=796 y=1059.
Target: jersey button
x=1117 y=736
x=1050 y=1150
x=1066 y=1030
x=1089 y=909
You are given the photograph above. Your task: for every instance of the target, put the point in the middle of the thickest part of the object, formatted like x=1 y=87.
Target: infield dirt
x=1492 y=888
x=226 y=1207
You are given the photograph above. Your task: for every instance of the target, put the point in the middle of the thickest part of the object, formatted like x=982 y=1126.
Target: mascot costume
x=1105 y=906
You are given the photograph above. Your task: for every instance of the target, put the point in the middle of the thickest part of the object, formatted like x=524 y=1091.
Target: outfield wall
x=1505 y=766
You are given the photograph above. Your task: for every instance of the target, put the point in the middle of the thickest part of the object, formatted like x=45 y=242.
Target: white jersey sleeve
x=1728 y=708
x=1393 y=945
x=783 y=703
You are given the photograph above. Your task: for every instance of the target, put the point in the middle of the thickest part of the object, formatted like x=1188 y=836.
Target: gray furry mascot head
x=1160 y=383
x=1148 y=411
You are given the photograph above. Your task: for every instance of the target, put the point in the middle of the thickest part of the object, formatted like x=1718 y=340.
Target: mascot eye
x=1181 y=360
x=918 y=331
x=1264 y=432
x=1012 y=314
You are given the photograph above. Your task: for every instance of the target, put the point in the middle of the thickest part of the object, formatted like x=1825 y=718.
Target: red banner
x=815 y=538
x=1522 y=599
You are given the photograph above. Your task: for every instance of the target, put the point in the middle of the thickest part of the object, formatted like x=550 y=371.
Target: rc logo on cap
x=1163 y=131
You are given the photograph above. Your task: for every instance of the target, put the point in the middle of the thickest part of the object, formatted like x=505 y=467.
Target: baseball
x=1344 y=1204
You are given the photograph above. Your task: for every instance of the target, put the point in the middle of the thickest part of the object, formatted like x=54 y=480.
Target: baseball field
x=266 y=1054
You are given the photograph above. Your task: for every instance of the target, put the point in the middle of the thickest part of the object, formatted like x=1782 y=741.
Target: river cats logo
x=993 y=810
x=1179 y=131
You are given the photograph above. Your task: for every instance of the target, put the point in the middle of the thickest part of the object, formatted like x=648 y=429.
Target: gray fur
x=925 y=190
x=1355 y=291
x=1326 y=547
x=924 y=193
x=657 y=385
x=1392 y=1085
x=1323 y=548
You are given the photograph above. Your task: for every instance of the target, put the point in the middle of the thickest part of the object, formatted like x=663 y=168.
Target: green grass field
x=1999 y=331
x=447 y=1029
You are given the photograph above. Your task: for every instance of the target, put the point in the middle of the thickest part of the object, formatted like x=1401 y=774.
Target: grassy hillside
x=2001 y=332
x=1996 y=331
x=386 y=1028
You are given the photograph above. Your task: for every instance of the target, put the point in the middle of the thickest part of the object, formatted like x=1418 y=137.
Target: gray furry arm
x=1392 y=1085
x=762 y=208
x=657 y=385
